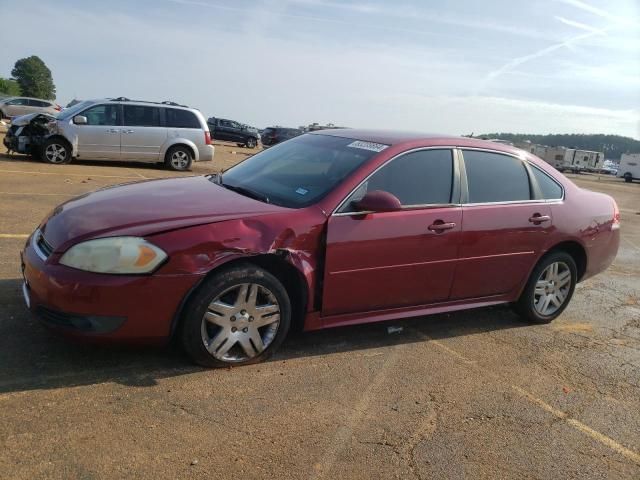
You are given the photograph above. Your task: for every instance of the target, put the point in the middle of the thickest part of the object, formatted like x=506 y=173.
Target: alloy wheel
x=552 y=288
x=55 y=153
x=240 y=323
x=179 y=160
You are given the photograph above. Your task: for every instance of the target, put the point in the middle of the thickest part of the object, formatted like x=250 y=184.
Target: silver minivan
x=123 y=129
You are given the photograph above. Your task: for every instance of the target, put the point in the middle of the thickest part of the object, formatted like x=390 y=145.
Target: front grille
x=83 y=323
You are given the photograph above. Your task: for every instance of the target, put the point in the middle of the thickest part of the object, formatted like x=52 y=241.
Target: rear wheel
x=628 y=177
x=549 y=289
x=238 y=317
x=55 y=151
x=179 y=158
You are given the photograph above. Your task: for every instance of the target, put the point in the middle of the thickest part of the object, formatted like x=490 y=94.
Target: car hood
x=145 y=208
x=23 y=120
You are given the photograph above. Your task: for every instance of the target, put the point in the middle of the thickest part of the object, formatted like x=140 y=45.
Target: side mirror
x=80 y=120
x=378 y=201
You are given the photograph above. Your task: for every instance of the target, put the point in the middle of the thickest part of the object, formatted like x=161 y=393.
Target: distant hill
x=612 y=145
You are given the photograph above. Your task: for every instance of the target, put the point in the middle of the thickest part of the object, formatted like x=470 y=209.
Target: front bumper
x=122 y=308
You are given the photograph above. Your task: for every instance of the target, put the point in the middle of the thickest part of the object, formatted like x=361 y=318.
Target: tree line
x=30 y=77
x=613 y=146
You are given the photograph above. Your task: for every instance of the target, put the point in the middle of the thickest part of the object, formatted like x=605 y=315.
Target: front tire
x=239 y=316
x=178 y=158
x=628 y=177
x=549 y=289
x=251 y=143
x=55 y=151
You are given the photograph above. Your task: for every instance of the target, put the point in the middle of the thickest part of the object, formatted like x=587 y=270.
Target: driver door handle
x=439 y=226
x=539 y=218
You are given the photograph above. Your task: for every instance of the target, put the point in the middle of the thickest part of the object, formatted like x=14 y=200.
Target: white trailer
x=629 y=167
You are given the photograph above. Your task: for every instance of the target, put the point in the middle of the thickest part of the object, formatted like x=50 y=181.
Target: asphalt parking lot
x=476 y=394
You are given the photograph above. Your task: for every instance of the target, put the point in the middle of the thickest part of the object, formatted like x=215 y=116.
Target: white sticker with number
x=374 y=147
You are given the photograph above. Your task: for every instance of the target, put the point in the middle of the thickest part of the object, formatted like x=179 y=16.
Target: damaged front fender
x=290 y=237
x=27 y=133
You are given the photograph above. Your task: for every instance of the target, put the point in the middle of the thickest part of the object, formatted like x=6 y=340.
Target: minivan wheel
x=251 y=143
x=239 y=316
x=55 y=151
x=549 y=289
x=628 y=177
x=179 y=158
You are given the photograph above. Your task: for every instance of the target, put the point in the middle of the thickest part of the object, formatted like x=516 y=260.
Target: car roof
x=140 y=102
x=392 y=137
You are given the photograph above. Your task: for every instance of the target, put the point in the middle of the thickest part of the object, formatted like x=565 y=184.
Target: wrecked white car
x=116 y=129
x=28 y=133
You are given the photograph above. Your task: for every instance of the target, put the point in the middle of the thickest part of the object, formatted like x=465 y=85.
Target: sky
x=445 y=66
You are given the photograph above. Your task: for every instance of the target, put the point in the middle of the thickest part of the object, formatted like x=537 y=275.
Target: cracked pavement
x=475 y=394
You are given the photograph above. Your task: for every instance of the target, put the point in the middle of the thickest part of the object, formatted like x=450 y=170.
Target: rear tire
x=55 y=151
x=178 y=158
x=549 y=289
x=628 y=177
x=239 y=316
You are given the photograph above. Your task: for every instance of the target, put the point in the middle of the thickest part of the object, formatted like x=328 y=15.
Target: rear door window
x=177 y=118
x=141 y=116
x=492 y=177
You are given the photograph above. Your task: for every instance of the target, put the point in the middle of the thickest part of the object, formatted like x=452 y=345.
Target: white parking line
x=70 y=174
x=14 y=235
x=41 y=194
x=578 y=425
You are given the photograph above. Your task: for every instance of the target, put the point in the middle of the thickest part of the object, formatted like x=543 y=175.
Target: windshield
x=298 y=172
x=70 y=112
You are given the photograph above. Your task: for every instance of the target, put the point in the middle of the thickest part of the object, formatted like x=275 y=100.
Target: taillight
x=615 y=223
x=207 y=138
x=58 y=108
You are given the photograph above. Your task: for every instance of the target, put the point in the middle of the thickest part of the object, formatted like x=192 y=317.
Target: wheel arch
x=577 y=252
x=181 y=143
x=61 y=138
x=291 y=278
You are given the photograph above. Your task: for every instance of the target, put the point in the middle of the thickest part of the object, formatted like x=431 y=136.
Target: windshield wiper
x=246 y=191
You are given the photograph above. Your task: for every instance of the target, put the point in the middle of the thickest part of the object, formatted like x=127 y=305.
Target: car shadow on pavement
x=20 y=158
x=33 y=358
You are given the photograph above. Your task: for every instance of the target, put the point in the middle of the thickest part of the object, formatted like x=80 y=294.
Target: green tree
x=9 y=87
x=34 y=78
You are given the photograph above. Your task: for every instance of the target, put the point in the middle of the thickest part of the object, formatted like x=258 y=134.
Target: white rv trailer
x=629 y=167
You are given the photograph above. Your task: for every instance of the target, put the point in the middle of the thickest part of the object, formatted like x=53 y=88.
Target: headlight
x=114 y=255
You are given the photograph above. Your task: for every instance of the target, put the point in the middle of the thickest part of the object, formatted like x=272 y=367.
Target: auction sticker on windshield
x=374 y=147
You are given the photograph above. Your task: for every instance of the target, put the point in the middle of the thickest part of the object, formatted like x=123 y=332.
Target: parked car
x=274 y=135
x=629 y=167
x=232 y=131
x=115 y=129
x=16 y=106
x=324 y=230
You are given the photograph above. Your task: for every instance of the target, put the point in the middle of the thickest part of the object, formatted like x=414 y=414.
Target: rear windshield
x=300 y=171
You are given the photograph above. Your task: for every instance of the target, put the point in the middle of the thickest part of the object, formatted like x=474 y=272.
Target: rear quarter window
x=176 y=118
x=550 y=189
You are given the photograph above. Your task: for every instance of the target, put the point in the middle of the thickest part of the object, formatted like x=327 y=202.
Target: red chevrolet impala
x=327 y=229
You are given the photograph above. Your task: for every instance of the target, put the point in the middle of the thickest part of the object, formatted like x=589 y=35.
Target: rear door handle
x=127 y=131
x=537 y=218
x=439 y=226
x=113 y=130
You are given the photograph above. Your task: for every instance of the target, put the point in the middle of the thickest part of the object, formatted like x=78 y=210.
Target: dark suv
x=232 y=131
x=274 y=135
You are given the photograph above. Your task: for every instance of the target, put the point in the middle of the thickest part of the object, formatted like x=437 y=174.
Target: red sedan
x=327 y=229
